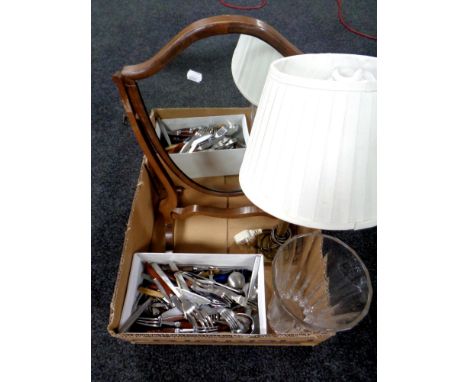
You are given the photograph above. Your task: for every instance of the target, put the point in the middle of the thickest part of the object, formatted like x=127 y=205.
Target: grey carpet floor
x=127 y=32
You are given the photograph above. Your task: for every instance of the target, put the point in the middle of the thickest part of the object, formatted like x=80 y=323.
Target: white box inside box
x=209 y=163
x=245 y=261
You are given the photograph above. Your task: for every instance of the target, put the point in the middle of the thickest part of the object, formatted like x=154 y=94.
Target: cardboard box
x=196 y=234
x=211 y=162
x=244 y=261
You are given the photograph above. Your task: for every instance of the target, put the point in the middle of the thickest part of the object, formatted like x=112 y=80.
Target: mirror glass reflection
x=211 y=91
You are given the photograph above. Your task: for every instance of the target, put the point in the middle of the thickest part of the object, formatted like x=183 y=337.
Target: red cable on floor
x=352 y=30
x=244 y=8
x=340 y=15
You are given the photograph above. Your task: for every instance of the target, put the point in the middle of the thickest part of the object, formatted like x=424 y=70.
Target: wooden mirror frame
x=159 y=161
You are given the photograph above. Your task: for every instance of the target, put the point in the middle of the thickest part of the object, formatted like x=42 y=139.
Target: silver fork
x=201 y=315
x=157 y=322
x=207 y=312
x=229 y=316
x=189 y=308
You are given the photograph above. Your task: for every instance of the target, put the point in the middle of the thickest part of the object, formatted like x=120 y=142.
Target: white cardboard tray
x=208 y=163
x=241 y=260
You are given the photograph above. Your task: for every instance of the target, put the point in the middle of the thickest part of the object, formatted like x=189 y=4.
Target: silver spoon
x=247 y=323
x=236 y=280
x=232 y=128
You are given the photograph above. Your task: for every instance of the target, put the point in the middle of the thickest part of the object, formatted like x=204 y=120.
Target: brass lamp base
x=269 y=241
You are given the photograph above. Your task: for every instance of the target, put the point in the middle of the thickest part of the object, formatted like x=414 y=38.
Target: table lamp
x=249 y=66
x=311 y=158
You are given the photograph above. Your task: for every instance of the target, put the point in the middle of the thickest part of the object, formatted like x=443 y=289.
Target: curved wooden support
x=169 y=237
x=145 y=143
x=216 y=212
x=211 y=26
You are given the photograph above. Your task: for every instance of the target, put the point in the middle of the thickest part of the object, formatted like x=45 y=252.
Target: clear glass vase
x=320 y=284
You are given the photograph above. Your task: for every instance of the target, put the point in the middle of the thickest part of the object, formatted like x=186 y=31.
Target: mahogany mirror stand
x=160 y=164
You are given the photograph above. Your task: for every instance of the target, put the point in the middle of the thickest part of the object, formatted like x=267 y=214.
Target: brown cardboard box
x=196 y=234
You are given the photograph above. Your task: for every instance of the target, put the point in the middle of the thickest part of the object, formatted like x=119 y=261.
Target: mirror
x=204 y=126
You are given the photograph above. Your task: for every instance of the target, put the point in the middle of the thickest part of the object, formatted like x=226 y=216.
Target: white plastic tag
x=192 y=75
x=246 y=236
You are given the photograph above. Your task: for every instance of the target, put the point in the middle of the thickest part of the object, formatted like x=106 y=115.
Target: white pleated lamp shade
x=250 y=63
x=311 y=157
